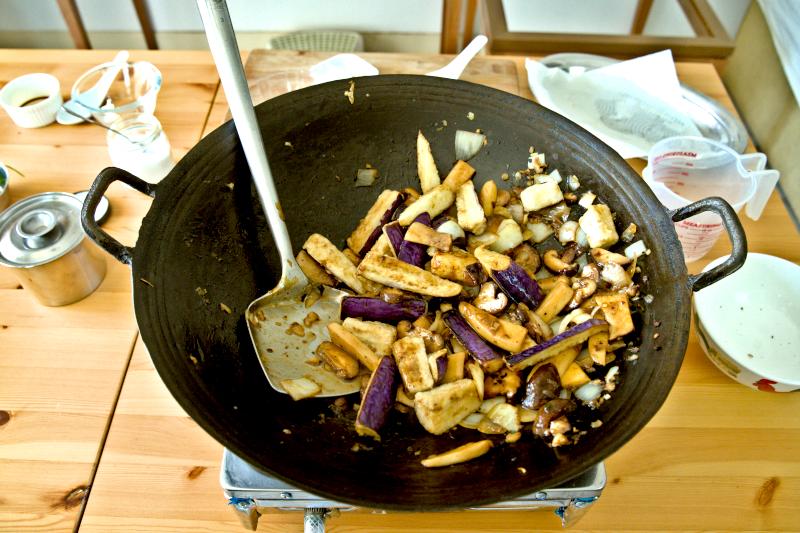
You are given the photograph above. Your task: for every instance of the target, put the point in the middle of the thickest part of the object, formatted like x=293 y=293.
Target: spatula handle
x=222 y=42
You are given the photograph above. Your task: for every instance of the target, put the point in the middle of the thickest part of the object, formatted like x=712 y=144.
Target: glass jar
x=140 y=146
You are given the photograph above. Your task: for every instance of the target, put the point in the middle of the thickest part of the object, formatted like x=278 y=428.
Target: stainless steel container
x=5 y=197
x=42 y=241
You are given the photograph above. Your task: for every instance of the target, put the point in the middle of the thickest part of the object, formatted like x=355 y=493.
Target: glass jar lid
x=39 y=229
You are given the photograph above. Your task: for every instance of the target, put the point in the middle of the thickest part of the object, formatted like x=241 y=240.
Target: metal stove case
x=249 y=492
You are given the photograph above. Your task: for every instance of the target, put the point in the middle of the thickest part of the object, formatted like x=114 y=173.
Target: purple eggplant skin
x=378 y=398
x=552 y=409
x=573 y=336
x=518 y=285
x=376 y=233
x=412 y=252
x=441 y=369
x=395 y=232
x=476 y=346
x=543 y=385
x=380 y=311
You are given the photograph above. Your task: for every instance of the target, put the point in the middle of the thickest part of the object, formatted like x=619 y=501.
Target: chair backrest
x=711 y=41
x=318 y=41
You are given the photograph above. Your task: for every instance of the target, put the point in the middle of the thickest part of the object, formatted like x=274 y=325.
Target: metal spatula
x=281 y=347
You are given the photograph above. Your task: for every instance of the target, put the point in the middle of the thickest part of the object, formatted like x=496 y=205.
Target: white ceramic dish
x=32 y=100
x=749 y=323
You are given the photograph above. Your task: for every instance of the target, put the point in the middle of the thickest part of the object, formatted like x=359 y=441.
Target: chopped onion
x=452 y=228
x=581 y=238
x=635 y=250
x=568 y=232
x=540 y=231
x=573 y=318
x=587 y=199
x=468 y=144
x=590 y=391
x=472 y=421
x=573 y=183
x=366 y=177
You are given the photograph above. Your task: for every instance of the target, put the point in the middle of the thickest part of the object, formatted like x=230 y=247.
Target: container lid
x=39 y=229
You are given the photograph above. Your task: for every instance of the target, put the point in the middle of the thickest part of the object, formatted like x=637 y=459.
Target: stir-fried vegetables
x=483 y=307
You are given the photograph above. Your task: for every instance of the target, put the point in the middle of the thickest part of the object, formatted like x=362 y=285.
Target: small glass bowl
x=133 y=90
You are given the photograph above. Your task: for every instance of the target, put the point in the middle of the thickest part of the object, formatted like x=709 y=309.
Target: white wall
x=407 y=16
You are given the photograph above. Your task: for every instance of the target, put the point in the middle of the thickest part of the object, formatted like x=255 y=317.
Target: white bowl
x=17 y=94
x=749 y=323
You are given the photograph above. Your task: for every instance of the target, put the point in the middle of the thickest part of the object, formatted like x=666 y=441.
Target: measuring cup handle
x=735 y=233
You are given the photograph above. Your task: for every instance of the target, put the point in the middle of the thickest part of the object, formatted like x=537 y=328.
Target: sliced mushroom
x=615 y=275
x=591 y=271
x=556 y=265
x=584 y=288
x=538 y=329
x=527 y=257
x=490 y=300
x=603 y=257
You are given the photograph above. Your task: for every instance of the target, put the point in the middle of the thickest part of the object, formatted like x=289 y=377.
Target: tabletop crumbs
x=288 y=144
x=225 y=308
x=229 y=185
x=471 y=115
x=596 y=424
x=522 y=470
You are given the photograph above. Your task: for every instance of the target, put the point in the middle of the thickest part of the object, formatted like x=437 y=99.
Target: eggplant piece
x=455 y=367
x=503 y=383
x=395 y=233
x=574 y=336
x=443 y=407
x=470 y=213
x=369 y=227
x=458 y=176
x=476 y=346
x=411 y=252
x=464 y=453
x=382 y=311
x=543 y=385
x=382 y=246
x=395 y=273
x=556 y=300
x=438 y=364
x=478 y=376
x=433 y=202
x=598 y=225
x=427 y=236
x=334 y=261
x=412 y=362
x=378 y=336
x=343 y=364
x=353 y=345
x=378 y=399
x=551 y=410
x=574 y=377
x=457 y=265
x=502 y=333
x=313 y=270
x=617 y=312
x=511 y=277
x=426 y=166
x=541 y=195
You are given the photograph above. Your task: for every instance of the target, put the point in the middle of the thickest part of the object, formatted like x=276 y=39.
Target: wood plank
x=61 y=368
x=451 y=26
x=640 y=16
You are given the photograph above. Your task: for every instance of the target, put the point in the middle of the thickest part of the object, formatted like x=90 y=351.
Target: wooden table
x=88 y=410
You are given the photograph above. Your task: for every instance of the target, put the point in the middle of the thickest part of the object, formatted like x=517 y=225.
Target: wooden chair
x=710 y=41
x=69 y=10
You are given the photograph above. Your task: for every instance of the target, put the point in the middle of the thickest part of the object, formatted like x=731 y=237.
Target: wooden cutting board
x=272 y=72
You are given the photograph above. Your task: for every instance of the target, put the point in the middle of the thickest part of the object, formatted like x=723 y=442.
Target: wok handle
x=107 y=176
x=733 y=227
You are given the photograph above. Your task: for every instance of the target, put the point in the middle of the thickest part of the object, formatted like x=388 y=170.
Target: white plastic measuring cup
x=682 y=170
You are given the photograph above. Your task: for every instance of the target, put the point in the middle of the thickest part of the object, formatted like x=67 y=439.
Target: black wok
x=201 y=233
